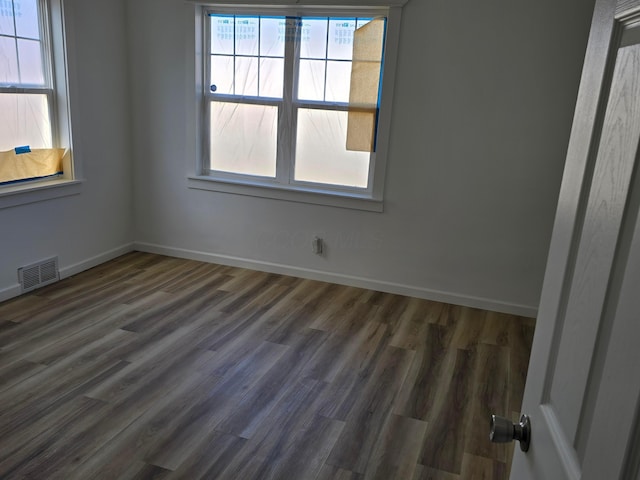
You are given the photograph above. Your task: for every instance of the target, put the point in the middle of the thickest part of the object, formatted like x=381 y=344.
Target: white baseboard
x=10 y=292
x=95 y=261
x=15 y=290
x=354 y=281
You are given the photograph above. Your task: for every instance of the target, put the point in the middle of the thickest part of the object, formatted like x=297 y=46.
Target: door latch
x=503 y=431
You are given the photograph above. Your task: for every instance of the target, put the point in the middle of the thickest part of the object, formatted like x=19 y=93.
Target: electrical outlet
x=317 y=245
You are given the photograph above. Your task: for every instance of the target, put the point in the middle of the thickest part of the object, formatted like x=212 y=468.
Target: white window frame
x=55 y=29
x=47 y=88
x=370 y=198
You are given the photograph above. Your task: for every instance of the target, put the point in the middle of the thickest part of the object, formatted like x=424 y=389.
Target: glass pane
x=246 y=76
x=338 y=81
x=243 y=138
x=247 y=35
x=272 y=31
x=311 y=80
x=24 y=121
x=271 y=77
x=6 y=18
x=222 y=28
x=321 y=154
x=31 y=72
x=222 y=74
x=8 y=61
x=313 y=38
x=26 y=12
x=341 y=38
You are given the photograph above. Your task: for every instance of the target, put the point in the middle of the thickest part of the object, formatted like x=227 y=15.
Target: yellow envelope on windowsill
x=37 y=163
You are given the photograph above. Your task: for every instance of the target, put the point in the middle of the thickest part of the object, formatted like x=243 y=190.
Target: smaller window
x=293 y=100
x=29 y=131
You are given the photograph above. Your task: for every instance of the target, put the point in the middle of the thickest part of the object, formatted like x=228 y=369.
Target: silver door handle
x=503 y=431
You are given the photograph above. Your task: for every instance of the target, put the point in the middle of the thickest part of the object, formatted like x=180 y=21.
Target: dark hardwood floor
x=157 y=367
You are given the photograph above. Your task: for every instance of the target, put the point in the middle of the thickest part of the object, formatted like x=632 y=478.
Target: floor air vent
x=38 y=274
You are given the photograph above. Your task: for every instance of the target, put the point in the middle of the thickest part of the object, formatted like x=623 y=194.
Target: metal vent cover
x=38 y=274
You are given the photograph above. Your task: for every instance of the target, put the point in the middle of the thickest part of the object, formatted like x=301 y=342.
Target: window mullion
x=205 y=164
x=47 y=65
x=326 y=61
x=287 y=114
x=45 y=43
x=15 y=43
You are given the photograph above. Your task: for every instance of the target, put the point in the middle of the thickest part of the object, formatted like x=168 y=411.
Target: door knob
x=503 y=431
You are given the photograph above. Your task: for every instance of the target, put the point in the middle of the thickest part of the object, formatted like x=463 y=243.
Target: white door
x=583 y=386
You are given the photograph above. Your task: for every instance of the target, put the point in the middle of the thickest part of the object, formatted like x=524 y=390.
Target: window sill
x=37 y=191
x=287 y=193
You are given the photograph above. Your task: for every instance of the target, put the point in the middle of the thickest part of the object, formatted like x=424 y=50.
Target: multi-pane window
x=293 y=100
x=26 y=91
x=27 y=113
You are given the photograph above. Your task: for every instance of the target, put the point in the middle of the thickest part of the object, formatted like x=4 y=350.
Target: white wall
x=96 y=224
x=484 y=97
x=485 y=93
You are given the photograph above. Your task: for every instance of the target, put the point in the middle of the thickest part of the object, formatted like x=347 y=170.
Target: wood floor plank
x=204 y=414
x=443 y=448
x=37 y=330
x=414 y=323
x=256 y=405
x=495 y=329
x=178 y=307
x=329 y=472
x=432 y=363
x=150 y=370
x=62 y=344
x=346 y=355
x=366 y=419
x=72 y=375
x=397 y=449
x=21 y=307
x=357 y=364
x=194 y=275
x=450 y=314
x=156 y=367
x=140 y=471
x=295 y=441
x=217 y=452
x=22 y=446
x=302 y=316
x=35 y=460
x=253 y=291
x=490 y=396
x=91 y=441
x=469 y=328
x=392 y=308
x=19 y=371
x=152 y=427
x=310 y=447
x=346 y=301
x=482 y=468
x=427 y=473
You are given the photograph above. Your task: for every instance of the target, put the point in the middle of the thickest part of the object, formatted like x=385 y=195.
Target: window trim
x=37 y=191
x=57 y=26
x=365 y=199
x=289 y=193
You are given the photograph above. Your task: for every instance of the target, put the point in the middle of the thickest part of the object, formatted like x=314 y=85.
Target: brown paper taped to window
x=365 y=84
x=37 y=163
